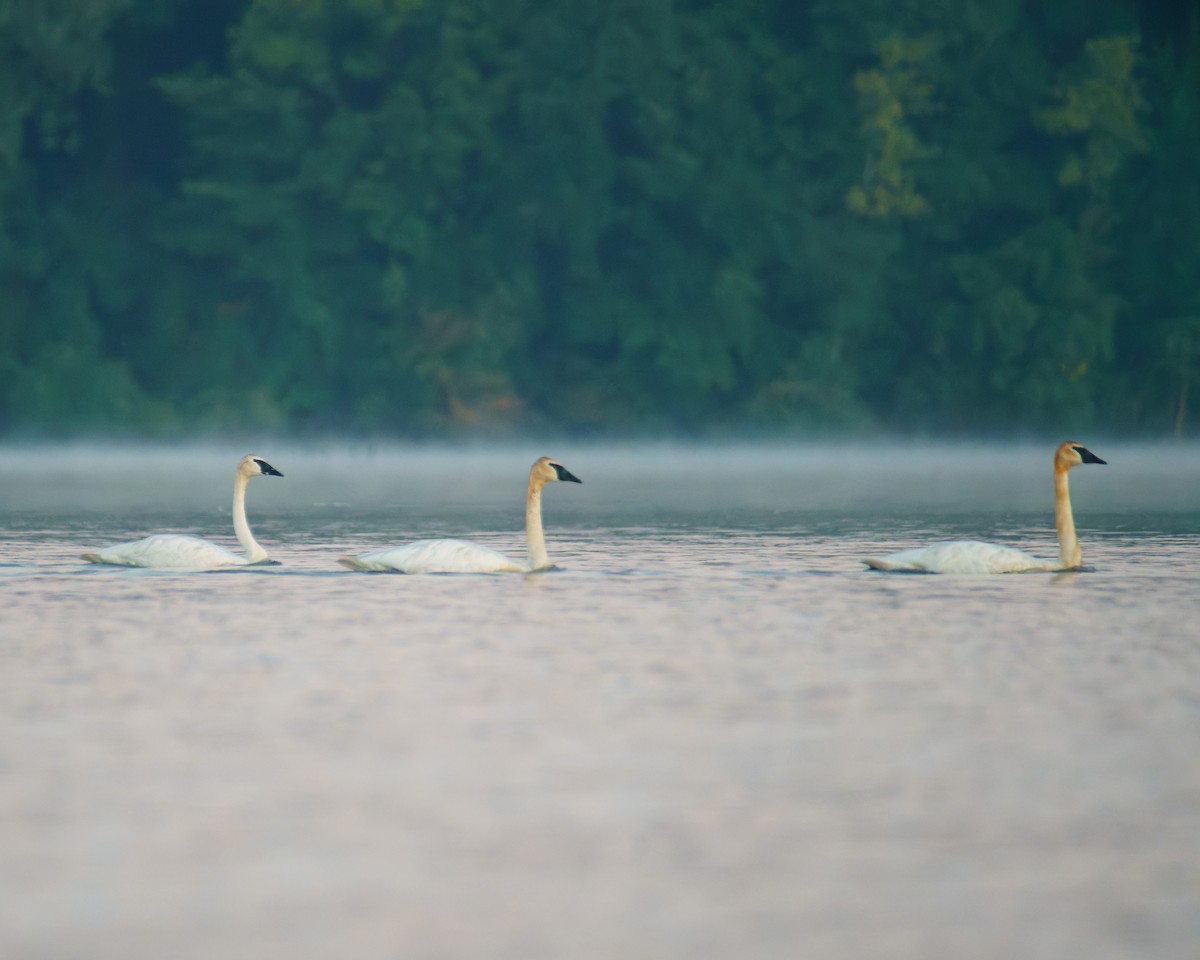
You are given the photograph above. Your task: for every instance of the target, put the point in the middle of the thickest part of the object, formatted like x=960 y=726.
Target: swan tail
x=885 y=564
x=91 y=557
x=353 y=563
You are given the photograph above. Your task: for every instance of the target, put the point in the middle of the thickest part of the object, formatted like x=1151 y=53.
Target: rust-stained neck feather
x=1064 y=519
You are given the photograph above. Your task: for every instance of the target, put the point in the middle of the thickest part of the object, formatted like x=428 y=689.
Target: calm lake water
x=710 y=734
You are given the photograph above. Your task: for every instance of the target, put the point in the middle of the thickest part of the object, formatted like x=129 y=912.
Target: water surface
x=711 y=733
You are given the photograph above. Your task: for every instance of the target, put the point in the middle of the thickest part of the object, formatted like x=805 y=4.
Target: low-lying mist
x=637 y=477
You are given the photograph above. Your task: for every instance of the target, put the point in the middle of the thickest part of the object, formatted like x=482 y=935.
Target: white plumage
x=435 y=556
x=974 y=556
x=462 y=556
x=177 y=551
x=168 y=551
x=961 y=556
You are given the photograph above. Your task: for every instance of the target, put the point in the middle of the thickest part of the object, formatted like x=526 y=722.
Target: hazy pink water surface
x=710 y=734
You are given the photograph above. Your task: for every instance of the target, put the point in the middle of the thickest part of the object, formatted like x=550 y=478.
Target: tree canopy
x=412 y=218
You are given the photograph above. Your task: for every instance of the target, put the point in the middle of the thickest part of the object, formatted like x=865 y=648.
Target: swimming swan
x=972 y=556
x=175 y=551
x=461 y=556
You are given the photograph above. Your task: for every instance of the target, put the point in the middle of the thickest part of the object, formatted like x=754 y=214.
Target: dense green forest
x=453 y=217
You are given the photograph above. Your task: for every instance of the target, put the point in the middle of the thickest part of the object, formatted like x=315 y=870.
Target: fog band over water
x=636 y=477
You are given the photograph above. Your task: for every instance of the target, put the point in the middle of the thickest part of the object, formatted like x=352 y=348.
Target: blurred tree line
x=416 y=218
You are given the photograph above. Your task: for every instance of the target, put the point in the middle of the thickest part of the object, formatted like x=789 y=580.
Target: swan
x=462 y=556
x=972 y=556
x=175 y=551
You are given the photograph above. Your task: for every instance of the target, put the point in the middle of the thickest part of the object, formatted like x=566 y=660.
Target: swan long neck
x=254 y=552
x=1064 y=522
x=538 y=558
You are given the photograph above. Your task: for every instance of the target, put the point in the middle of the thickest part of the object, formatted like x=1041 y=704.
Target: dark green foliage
x=415 y=218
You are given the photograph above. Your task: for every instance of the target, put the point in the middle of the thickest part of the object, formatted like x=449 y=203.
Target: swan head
x=1072 y=454
x=252 y=466
x=546 y=470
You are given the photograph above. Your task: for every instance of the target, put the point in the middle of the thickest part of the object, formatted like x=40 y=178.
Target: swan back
x=434 y=556
x=168 y=551
x=960 y=556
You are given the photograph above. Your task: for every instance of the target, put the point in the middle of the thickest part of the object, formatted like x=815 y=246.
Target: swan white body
x=177 y=551
x=962 y=556
x=462 y=556
x=435 y=556
x=974 y=556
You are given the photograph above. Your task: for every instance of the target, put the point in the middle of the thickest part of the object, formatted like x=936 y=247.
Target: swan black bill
x=564 y=473
x=267 y=469
x=1087 y=456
